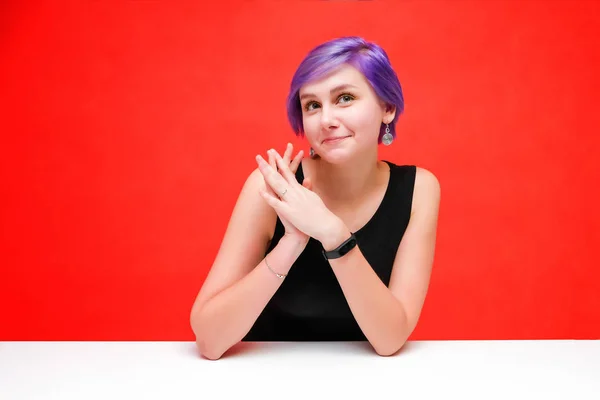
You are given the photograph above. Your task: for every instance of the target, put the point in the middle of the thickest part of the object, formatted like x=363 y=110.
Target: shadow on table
x=243 y=348
x=356 y=348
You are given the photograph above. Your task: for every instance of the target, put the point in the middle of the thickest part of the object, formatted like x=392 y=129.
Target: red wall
x=128 y=130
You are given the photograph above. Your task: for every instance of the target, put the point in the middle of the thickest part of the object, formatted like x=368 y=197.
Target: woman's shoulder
x=426 y=192
x=418 y=182
x=262 y=214
x=425 y=179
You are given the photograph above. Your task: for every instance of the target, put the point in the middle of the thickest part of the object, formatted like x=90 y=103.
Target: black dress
x=310 y=305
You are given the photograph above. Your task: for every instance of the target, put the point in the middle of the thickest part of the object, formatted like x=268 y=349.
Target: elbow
x=396 y=341
x=390 y=351
x=205 y=349
x=391 y=348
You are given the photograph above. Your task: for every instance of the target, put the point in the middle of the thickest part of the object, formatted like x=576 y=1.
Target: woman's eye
x=347 y=96
x=344 y=96
x=307 y=106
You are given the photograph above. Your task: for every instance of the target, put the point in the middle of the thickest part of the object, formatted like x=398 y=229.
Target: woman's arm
x=228 y=316
x=239 y=284
x=387 y=316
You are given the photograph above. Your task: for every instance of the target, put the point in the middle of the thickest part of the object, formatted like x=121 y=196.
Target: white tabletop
x=557 y=369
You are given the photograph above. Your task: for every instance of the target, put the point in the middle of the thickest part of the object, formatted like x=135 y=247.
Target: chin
x=336 y=156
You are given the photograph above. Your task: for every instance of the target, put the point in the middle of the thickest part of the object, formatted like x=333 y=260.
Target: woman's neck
x=344 y=185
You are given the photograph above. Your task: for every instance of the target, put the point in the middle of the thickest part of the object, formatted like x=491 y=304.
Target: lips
x=336 y=139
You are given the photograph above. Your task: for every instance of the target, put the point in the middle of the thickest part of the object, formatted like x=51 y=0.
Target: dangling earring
x=311 y=152
x=387 y=139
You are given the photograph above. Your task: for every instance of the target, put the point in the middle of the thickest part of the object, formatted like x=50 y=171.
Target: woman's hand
x=290 y=230
x=296 y=204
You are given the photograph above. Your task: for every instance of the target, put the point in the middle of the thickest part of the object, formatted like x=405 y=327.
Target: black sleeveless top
x=310 y=305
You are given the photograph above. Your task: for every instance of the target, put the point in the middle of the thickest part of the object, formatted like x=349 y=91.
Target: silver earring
x=311 y=152
x=387 y=139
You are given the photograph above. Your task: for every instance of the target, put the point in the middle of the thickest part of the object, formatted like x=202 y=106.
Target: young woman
x=338 y=246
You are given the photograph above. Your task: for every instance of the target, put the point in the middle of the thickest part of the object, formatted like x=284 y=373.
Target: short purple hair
x=368 y=58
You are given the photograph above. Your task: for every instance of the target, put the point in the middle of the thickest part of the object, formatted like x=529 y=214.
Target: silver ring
x=283 y=194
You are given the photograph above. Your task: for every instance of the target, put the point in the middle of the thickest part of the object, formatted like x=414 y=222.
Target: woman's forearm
x=226 y=318
x=379 y=314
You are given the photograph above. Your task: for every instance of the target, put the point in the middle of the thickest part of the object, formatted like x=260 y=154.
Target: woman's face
x=342 y=114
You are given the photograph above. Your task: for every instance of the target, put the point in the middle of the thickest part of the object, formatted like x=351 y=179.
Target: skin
x=347 y=175
x=341 y=191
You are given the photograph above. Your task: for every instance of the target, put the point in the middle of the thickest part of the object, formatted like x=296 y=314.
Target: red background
x=129 y=129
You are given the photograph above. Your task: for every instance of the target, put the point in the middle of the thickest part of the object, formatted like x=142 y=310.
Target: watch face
x=343 y=249
x=348 y=246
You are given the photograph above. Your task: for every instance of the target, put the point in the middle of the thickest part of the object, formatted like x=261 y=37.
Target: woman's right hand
x=290 y=230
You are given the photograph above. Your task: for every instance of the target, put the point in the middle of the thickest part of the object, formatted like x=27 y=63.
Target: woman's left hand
x=302 y=207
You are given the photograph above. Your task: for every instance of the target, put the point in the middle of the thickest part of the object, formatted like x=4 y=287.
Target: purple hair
x=369 y=58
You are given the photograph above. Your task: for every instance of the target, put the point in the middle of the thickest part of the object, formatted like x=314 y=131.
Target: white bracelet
x=280 y=276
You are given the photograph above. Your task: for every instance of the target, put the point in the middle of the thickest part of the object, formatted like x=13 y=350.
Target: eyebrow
x=335 y=89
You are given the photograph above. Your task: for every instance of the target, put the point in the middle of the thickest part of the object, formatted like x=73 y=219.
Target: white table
x=555 y=369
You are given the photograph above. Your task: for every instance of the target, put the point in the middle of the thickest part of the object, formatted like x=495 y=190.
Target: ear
x=389 y=113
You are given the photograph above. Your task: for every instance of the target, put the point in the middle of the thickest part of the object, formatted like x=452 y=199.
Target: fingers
x=273 y=165
x=289 y=150
x=272 y=200
x=296 y=161
x=287 y=154
x=277 y=167
x=272 y=161
x=284 y=169
x=271 y=176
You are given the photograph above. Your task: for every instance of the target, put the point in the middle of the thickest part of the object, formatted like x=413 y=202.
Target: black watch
x=342 y=249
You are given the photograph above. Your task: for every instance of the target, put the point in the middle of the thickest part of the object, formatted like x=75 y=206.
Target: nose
x=328 y=118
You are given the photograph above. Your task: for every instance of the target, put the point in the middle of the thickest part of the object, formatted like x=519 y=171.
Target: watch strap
x=342 y=249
